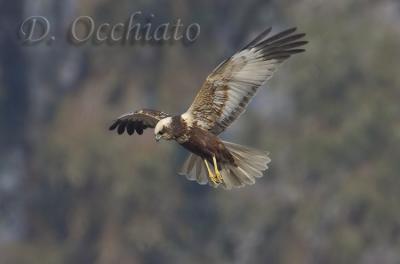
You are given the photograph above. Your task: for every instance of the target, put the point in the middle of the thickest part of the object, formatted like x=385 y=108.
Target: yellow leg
x=210 y=174
x=217 y=173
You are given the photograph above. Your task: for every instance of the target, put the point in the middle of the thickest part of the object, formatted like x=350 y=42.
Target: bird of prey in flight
x=223 y=97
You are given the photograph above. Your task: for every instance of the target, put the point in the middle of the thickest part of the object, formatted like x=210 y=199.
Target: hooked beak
x=157 y=137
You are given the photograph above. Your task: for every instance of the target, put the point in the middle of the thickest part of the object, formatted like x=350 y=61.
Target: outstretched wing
x=138 y=121
x=229 y=88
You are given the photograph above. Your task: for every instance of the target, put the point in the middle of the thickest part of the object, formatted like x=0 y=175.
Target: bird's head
x=163 y=129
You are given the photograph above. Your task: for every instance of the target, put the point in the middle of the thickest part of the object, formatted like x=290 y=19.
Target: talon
x=217 y=173
x=211 y=176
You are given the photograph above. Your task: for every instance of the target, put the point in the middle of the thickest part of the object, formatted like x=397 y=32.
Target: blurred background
x=73 y=192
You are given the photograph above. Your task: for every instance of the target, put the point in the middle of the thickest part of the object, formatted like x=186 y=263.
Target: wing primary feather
x=286 y=40
x=121 y=127
x=279 y=35
x=291 y=45
x=282 y=54
x=137 y=121
x=258 y=38
x=130 y=128
x=139 y=130
x=114 y=125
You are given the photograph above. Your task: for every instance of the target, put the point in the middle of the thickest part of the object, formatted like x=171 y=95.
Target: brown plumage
x=221 y=100
x=206 y=145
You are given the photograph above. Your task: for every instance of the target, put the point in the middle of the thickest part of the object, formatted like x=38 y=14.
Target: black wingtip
x=301 y=43
x=281 y=35
x=259 y=38
x=114 y=125
x=139 y=130
x=121 y=127
x=286 y=32
x=130 y=128
x=294 y=51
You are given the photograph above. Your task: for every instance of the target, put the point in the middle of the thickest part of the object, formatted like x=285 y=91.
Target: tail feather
x=230 y=179
x=250 y=164
x=243 y=176
x=201 y=172
x=194 y=169
x=188 y=167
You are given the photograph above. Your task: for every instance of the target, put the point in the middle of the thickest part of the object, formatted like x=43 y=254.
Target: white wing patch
x=245 y=81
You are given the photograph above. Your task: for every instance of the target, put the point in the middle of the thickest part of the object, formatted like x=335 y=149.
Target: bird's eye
x=161 y=132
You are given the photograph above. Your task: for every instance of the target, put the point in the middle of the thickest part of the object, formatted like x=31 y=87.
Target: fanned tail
x=249 y=164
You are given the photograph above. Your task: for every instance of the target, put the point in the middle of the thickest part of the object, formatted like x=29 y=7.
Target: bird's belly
x=207 y=145
x=197 y=149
